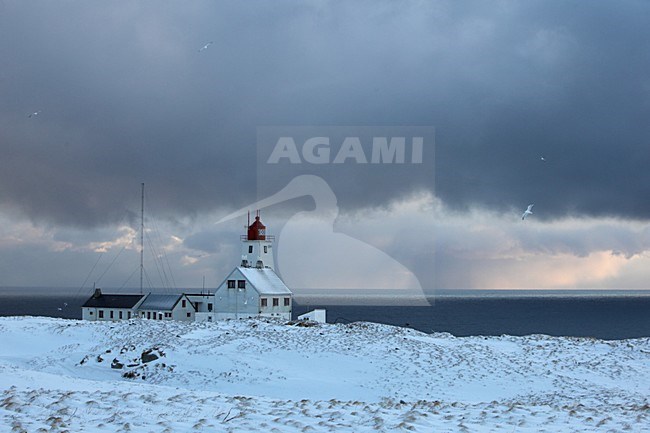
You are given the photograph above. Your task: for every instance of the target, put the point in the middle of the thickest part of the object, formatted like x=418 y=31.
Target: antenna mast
x=141 y=237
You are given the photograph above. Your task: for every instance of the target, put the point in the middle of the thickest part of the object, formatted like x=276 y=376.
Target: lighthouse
x=252 y=289
x=257 y=246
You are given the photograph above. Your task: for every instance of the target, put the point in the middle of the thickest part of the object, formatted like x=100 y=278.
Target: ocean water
x=603 y=315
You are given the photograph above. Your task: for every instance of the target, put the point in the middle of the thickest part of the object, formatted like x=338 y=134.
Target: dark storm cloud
x=126 y=97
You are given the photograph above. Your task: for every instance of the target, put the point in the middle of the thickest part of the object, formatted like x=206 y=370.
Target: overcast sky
x=125 y=94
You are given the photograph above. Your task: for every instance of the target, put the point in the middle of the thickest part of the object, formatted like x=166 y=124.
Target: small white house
x=109 y=307
x=204 y=304
x=318 y=315
x=250 y=292
x=167 y=307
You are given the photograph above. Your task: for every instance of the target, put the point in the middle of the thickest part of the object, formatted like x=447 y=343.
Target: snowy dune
x=264 y=375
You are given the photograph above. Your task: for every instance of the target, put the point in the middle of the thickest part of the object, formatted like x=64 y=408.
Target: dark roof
x=112 y=301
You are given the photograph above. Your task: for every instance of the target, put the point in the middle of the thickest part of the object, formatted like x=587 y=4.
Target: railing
x=271 y=238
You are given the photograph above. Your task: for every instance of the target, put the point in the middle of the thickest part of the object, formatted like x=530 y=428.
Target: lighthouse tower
x=257 y=251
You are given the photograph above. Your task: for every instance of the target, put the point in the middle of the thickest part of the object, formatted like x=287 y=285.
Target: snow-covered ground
x=262 y=375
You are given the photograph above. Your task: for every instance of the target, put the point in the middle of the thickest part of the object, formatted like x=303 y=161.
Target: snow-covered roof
x=159 y=302
x=265 y=281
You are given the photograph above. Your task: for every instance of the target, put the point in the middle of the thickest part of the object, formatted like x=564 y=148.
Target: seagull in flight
x=528 y=211
x=34 y=114
x=205 y=47
x=542 y=158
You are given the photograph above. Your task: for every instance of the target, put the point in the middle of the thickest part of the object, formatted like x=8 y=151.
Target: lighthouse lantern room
x=257 y=245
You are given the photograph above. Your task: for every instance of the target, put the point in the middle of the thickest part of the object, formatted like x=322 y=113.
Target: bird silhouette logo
x=311 y=255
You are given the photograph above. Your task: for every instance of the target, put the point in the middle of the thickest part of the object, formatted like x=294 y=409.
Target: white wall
x=318 y=315
x=283 y=316
x=85 y=314
x=205 y=317
x=180 y=313
x=236 y=303
x=201 y=302
x=270 y=310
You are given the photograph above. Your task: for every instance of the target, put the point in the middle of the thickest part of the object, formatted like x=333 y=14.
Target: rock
x=130 y=374
x=116 y=364
x=148 y=356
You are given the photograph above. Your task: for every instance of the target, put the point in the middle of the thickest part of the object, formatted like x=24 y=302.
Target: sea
x=610 y=315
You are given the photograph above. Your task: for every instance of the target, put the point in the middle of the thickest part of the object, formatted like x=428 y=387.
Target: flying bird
x=34 y=114
x=542 y=158
x=205 y=47
x=528 y=211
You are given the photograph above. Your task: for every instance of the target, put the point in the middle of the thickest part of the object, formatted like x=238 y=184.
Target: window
x=287 y=302
x=129 y=314
x=250 y=249
x=184 y=303
x=241 y=284
x=90 y=312
x=189 y=314
x=148 y=314
x=101 y=314
x=231 y=284
x=160 y=316
x=110 y=314
x=120 y=315
x=265 y=302
x=276 y=302
x=265 y=250
x=209 y=306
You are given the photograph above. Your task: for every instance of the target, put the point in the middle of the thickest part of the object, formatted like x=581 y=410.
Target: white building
x=251 y=289
x=318 y=315
x=251 y=292
x=204 y=305
x=167 y=307
x=110 y=307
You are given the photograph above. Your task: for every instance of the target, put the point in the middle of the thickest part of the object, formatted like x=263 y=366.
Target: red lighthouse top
x=257 y=230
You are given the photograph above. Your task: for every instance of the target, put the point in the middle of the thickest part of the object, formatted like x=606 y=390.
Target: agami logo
x=320 y=150
x=320 y=176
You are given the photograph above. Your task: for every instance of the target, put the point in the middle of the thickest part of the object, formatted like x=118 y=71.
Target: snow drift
x=266 y=375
